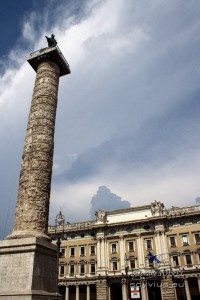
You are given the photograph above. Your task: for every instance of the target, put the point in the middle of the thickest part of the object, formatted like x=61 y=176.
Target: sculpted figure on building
x=157 y=208
x=100 y=215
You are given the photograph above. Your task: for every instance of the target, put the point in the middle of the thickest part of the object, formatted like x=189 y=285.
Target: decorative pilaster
x=103 y=256
x=140 y=251
x=158 y=242
x=122 y=252
x=98 y=253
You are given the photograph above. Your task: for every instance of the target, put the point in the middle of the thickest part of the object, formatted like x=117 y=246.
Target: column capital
x=52 y=54
x=138 y=234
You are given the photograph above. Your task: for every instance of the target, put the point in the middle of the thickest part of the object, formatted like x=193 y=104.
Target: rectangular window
x=62 y=252
x=72 y=251
x=92 y=250
x=149 y=245
x=185 y=240
x=71 y=269
x=114 y=248
x=114 y=265
x=131 y=246
x=172 y=241
x=62 y=270
x=175 y=260
x=82 y=251
x=132 y=263
x=92 y=268
x=197 y=238
x=82 y=268
x=188 y=259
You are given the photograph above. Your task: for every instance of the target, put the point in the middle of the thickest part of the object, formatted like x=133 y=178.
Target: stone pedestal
x=28 y=269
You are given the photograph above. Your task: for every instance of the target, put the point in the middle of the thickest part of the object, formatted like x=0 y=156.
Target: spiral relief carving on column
x=31 y=218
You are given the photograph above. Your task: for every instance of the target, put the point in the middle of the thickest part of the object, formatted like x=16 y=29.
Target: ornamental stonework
x=32 y=210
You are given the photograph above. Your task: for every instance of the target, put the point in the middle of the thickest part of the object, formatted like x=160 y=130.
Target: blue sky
x=128 y=115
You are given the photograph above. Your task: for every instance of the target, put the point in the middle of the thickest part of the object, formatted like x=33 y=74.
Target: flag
x=152 y=257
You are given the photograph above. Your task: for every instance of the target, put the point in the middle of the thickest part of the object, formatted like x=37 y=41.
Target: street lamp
x=60 y=220
x=59 y=223
x=126 y=271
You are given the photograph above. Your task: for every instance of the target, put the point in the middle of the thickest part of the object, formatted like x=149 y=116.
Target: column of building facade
x=88 y=292
x=67 y=292
x=140 y=251
x=187 y=289
x=144 y=290
x=122 y=252
x=108 y=255
x=77 y=292
x=164 y=247
x=103 y=254
x=124 y=289
x=109 y=292
x=158 y=242
x=98 y=253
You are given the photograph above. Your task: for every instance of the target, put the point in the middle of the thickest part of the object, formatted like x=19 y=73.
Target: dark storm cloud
x=104 y=199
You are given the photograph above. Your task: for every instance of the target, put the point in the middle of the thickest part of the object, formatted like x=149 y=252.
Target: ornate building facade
x=145 y=252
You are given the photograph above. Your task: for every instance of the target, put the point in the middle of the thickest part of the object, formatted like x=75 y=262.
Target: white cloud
x=132 y=96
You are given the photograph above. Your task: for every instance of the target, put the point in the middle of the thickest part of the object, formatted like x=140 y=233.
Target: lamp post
x=59 y=224
x=126 y=272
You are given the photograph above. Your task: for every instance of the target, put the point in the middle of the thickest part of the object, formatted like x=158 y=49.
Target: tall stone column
x=32 y=211
x=27 y=258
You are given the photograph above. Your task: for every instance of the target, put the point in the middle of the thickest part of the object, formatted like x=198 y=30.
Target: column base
x=27 y=234
x=29 y=269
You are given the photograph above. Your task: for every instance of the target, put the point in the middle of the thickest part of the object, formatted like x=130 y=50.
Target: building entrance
x=154 y=292
x=116 y=291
